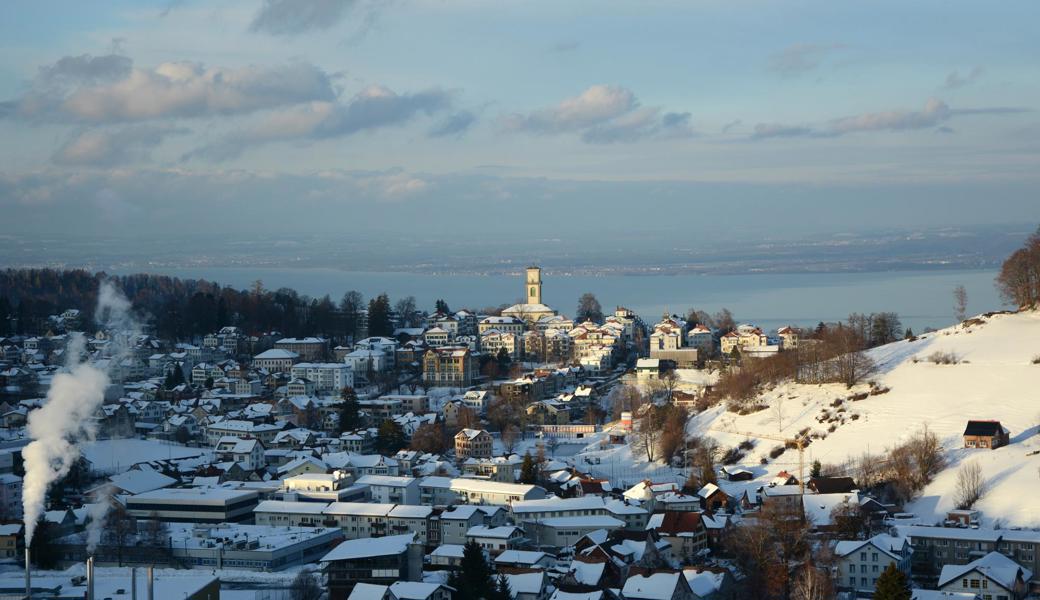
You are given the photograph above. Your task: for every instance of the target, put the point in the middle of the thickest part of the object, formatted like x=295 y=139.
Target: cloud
x=777 y=130
x=108 y=89
x=732 y=125
x=934 y=114
x=105 y=148
x=603 y=114
x=454 y=124
x=798 y=59
x=294 y=17
x=954 y=80
x=372 y=108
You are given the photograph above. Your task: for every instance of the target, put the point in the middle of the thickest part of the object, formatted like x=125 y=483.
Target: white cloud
x=81 y=89
x=603 y=114
x=955 y=80
x=798 y=59
x=110 y=147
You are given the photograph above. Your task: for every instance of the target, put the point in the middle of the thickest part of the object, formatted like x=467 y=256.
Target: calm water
x=922 y=298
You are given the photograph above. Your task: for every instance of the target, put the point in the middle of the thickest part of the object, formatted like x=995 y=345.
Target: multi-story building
x=473 y=443
x=11 y=495
x=504 y=324
x=492 y=341
x=449 y=366
x=861 y=562
x=276 y=360
x=199 y=505
x=308 y=348
x=328 y=378
x=380 y=561
x=392 y=489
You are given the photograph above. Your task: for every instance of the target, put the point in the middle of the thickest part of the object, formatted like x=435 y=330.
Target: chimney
x=28 y=576
x=133 y=583
x=151 y=583
x=90 y=578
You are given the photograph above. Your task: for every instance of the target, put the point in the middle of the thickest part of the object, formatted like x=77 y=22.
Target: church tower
x=534 y=285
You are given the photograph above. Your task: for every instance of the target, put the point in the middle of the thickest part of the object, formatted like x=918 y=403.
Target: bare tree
x=971 y=485
x=305 y=587
x=812 y=583
x=648 y=433
x=589 y=309
x=778 y=412
x=960 y=302
x=509 y=437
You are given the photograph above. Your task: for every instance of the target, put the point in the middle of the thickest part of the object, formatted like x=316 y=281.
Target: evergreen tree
x=501 y=590
x=528 y=470
x=391 y=437
x=817 y=468
x=909 y=334
x=379 y=321
x=504 y=362
x=473 y=579
x=349 y=416
x=892 y=585
x=442 y=307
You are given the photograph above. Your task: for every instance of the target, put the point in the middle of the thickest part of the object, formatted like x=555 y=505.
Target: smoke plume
x=97 y=513
x=66 y=418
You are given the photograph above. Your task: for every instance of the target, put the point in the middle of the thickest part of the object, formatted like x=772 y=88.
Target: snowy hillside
x=995 y=379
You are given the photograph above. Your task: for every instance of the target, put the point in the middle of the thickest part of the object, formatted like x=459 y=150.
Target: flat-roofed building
x=199 y=505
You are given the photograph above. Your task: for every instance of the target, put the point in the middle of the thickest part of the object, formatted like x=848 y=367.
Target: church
x=532 y=309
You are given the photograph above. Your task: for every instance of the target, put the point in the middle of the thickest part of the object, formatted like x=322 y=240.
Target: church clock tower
x=534 y=285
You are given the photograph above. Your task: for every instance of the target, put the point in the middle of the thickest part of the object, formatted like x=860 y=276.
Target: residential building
x=993 y=576
x=985 y=434
x=473 y=443
x=328 y=378
x=276 y=360
x=381 y=561
x=861 y=562
x=449 y=366
x=391 y=489
x=307 y=348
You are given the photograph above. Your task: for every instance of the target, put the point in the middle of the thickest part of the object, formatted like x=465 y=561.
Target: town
x=509 y=453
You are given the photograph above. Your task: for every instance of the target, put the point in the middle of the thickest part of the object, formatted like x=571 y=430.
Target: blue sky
x=112 y=110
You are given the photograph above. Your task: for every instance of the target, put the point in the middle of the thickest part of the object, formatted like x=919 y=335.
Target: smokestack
x=90 y=578
x=133 y=583
x=28 y=575
x=151 y=583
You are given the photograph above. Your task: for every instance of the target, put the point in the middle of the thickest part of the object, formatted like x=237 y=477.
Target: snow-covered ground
x=995 y=379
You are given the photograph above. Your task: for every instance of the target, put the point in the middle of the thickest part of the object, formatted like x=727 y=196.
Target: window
x=974 y=584
x=873 y=556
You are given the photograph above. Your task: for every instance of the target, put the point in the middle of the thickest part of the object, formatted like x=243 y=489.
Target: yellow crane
x=798 y=442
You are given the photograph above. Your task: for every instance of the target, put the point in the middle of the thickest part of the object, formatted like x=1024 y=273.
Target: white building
x=328 y=378
x=860 y=562
x=276 y=360
x=391 y=489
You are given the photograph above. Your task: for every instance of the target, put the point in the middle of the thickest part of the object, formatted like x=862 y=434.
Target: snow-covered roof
x=658 y=586
x=995 y=566
x=368 y=591
x=140 y=481
x=367 y=547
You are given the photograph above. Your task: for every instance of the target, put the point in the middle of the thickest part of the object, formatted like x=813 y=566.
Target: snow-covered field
x=995 y=379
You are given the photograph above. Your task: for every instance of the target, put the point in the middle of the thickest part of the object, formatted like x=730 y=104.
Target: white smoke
x=97 y=513
x=66 y=418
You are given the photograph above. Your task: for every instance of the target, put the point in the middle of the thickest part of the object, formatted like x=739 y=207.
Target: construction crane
x=798 y=442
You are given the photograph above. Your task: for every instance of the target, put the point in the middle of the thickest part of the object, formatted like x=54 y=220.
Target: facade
x=993 y=576
x=328 y=378
x=199 y=505
x=449 y=366
x=985 y=434
x=860 y=563
x=473 y=443
x=381 y=561
x=391 y=489
x=276 y=360
x=308 y=348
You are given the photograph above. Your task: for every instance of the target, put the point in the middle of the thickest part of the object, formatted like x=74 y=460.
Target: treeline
x=181 y=309
x=832 y=354
x=1019 y=278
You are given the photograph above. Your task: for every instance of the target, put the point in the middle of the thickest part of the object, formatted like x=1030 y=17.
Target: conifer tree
x=892 y=585
x=528 y=471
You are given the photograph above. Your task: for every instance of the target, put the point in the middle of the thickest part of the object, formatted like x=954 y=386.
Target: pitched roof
x=994 y=566
x=366 y=547
x=986 y=428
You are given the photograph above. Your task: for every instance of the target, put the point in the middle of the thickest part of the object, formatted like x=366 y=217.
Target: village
x=522 y=454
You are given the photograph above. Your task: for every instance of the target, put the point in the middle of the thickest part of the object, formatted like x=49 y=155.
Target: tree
x=1019 y=278
x=589 y=309
x=174 y=378
x=391 y=437
x=351 y=306
x=502 y=590
x=503 y=361
x=429 y=438
x=648 y=434
x=724 y=321
x=155 y=533
x=442 y=307
x=208 y=384
x=509 y=436
x=305 y=586
x=768 y=549
x=182 y=435
x=812 y=583
x=892 y=584
x=406 y=312
x=528 y=470
x=960 y=303
x=379 y=322
x=349 y=410
x=909 y=335
x=473 y=579
x=971 y=485
x=43 y=551
x=120 y=527
x=817 y=469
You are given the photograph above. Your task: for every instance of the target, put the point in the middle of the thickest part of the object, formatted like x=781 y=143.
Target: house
x=380 y=561
x=985 y=434
x=447 y=555
x=392 y=489
x=473 y=443
x=657 y=586
x=712 y=497
x=685 y=531
x=10 y=536
x=449 y=366
x=861 y=562
x=276 y=360
x=496 y=540
x=561 y=532
x=734 y=473
x=308 y=348
x=524 y=559
x=11 y=496
x=832 y=485
x=528 y=586
x=709 y=583
x=249 y=452
x=993 y=575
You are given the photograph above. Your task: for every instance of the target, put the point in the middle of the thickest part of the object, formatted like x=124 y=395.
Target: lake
x=921 y=298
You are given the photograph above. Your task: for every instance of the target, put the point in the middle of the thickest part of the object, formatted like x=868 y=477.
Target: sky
x=721 y=118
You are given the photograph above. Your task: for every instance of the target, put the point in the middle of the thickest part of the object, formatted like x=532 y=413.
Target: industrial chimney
x=28 y=576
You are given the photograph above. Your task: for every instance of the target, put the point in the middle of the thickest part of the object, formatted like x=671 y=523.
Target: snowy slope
x=995 y=380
